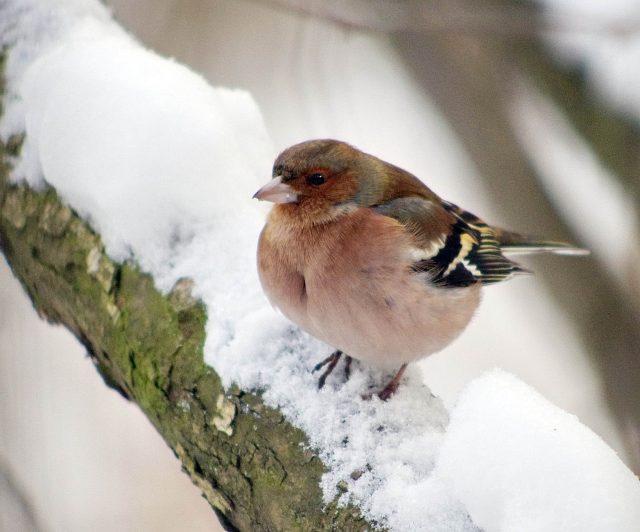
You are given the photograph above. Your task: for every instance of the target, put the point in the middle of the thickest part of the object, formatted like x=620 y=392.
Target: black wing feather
x=467 y=252
x=471 y=253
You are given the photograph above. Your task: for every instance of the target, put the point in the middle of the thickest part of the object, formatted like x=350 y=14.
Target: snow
x=132 y=93
x=164 y=166
x=532 y=467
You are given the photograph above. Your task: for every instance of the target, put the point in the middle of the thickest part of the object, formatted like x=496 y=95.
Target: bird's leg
x=392 y=385
x=331 y=360
x=347 y=367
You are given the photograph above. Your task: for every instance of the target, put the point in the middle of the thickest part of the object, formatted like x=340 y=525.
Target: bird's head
x=316 y=180
x=319 y=180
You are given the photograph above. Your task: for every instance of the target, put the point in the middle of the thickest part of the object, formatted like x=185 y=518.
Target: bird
x=362 y=255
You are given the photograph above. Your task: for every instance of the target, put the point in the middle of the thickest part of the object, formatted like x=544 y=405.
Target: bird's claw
x=331 y=361
x=391 y=387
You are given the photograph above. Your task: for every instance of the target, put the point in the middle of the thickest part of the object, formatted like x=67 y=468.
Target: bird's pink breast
x=350 y=284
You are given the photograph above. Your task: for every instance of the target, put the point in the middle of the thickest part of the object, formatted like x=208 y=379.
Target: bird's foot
x=331 y=361
x=332 y=358
x=391 y=387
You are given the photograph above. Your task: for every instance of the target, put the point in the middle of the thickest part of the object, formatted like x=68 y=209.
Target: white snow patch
x=117 y=129
x=518 y=463
x=164 y=167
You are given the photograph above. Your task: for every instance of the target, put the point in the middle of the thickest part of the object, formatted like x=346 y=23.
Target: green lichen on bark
x=252 y=466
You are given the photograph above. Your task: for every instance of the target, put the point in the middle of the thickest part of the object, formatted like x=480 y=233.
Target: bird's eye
x=316 y=179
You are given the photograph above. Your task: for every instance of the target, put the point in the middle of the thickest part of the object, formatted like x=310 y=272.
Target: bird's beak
x=277 y=192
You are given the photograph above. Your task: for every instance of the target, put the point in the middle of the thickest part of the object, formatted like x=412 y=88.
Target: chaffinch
x=364 y=256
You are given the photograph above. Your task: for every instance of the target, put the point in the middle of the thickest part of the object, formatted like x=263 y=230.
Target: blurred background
x=525 y=113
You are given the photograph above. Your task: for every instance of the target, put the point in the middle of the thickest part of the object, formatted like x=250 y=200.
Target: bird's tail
x=516 y=243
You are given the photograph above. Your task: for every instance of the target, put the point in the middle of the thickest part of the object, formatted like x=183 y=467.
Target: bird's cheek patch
x=341 y=187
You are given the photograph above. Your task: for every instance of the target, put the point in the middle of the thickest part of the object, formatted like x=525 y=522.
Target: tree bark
x=253 y=467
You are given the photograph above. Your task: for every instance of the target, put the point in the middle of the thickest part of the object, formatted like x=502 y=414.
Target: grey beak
x=277 y=192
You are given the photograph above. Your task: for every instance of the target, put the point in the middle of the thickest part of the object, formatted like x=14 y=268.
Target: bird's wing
x=454 y=247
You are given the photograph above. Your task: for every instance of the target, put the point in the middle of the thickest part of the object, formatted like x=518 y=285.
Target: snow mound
x=517 y=462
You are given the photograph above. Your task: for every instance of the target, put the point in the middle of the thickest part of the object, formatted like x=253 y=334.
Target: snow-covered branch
x=252 y=466
x=123 y=175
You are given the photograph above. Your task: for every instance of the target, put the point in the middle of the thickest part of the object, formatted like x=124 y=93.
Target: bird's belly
x=386 y=317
